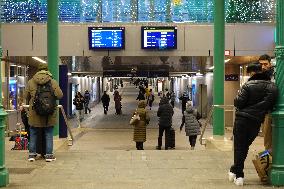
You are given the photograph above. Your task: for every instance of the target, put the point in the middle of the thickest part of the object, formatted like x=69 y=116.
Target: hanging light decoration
x=146 y=10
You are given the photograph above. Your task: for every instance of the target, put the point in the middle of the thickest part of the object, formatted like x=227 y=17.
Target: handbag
x=134 y=120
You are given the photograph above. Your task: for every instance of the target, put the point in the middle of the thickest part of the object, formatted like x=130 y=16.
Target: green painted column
x=134 y=10
x=99 y=16
x=218 y=78
x=168 y=11
x=277 y=170
x=4 y=175
x=152 y=10
x=52 y=43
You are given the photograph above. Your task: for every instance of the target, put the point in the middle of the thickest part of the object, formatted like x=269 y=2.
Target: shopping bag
x=135 y=119
x=262 y=164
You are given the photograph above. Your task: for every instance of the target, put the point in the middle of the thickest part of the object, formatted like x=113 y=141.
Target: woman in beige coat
x=139 y=135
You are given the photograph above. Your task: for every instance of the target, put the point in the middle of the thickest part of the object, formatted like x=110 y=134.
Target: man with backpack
x=41 y=93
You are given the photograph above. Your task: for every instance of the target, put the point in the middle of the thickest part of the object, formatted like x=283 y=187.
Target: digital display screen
x=106 y=38
x=160 y=38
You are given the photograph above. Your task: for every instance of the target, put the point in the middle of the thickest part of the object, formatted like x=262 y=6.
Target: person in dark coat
x=105 y=100
x=139 y=135
x=184 y=98
x=165 y=113
x=87 y=98
x=151 y=98
x=192 y=126
x=117 y=102
x=140 y=96
x=79 y=102
x=256 y=98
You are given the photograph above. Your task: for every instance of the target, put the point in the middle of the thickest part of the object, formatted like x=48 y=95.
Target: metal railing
x=202 y=140
x=70 y=140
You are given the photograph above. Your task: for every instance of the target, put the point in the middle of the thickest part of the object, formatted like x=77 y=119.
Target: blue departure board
x=161 y=38
x=106 y=38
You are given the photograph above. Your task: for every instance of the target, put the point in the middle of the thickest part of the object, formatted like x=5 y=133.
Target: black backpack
x=45 y=100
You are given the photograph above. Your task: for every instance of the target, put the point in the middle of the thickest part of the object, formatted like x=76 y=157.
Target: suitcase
x=171 y=139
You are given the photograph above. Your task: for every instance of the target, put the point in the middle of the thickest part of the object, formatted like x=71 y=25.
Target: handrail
x=209 y=117
x=66 y=121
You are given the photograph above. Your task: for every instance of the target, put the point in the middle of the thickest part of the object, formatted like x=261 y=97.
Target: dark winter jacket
x=192 y=126
x=117 y=100
x=79 y=101
x=165 y=113
x=105 y=99
x=256 y=98
x=87 y=97
x=184 y=98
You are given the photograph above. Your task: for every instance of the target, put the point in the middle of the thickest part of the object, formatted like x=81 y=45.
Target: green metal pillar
x=152 y=10
x=52 y=43
x=168 y=11
x=4 y=175
x=218 y=81
x=277 y=170
x=134 y=10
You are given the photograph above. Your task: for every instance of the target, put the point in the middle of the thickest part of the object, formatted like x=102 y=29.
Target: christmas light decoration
x=137 y=10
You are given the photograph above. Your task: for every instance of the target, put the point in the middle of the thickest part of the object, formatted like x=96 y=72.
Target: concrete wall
x=193 y=40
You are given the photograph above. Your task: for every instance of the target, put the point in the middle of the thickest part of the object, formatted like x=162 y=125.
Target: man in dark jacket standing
x=105 y=100
x=255 y=99
x=165 y=113
x=36 y=121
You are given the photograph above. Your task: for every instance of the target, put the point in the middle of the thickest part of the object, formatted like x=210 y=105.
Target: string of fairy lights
x=138 y=10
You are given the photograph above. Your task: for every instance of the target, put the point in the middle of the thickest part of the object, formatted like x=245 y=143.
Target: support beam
x=218 y=80
x=277 y=170
x=4 y=175
x=52 y=43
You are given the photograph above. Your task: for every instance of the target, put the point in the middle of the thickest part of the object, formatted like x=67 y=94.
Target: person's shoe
x=158 y=148
x=50 y=158
x=192 y=147
x=239 y=181
x=231 y=176
x=31 y=158
x=166 y=148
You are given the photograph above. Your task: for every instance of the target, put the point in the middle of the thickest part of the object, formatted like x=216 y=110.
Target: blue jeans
x=48 y=134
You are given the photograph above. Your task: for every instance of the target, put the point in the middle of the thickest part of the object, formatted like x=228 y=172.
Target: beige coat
x=140 y=128
x=41 y=77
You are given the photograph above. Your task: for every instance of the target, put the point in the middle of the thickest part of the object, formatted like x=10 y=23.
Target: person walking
x=151 y=98
x=139 y=134
x=41 y=93
x=105 y=100
x=87 y=98
x=184 y=98
x=173 y=98
x=192 y=126
x=140 y=96
x=117 y=102
x=79 y=101
x=165 y=113
x=256 y=98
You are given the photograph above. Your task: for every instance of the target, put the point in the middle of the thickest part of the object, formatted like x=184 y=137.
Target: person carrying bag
x=139 y=121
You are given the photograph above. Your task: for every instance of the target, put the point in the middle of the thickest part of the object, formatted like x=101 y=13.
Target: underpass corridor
x=104 y=156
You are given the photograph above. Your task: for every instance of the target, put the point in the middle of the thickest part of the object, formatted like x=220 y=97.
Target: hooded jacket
x=256 y=98
x=139 y=134
x=165 y=113
x=192 y=126
x=41 y=77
